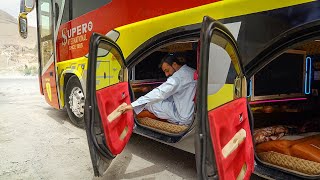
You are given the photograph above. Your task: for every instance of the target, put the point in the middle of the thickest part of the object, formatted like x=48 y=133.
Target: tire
x=74 y=101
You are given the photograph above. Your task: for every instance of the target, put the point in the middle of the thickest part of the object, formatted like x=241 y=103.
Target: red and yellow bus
x=257 y=65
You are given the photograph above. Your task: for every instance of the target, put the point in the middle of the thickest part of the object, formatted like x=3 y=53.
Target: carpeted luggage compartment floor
x=305 y=167
x=162 y=126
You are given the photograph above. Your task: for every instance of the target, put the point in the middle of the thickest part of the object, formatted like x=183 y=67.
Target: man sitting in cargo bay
x=173 y=100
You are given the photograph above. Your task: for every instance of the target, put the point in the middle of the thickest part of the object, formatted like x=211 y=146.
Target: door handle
x=232 y=145
x=115 y=113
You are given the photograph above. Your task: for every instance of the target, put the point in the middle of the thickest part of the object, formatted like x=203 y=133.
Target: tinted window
x=66 y=12
x=223 y=63
x=284 y=75
x=45 y=30
x=81 y=7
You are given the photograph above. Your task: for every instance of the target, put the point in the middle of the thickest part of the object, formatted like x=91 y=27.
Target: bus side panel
x=76 y=67
x=49 y=87
x=73 y=37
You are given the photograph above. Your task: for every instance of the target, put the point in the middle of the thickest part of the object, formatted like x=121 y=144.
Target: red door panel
x=117 y=132
x=232 y=140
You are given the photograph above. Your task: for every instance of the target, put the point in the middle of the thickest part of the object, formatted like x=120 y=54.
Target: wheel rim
x=76 y=102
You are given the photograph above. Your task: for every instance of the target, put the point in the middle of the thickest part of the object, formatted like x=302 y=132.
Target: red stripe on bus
x=112 y=15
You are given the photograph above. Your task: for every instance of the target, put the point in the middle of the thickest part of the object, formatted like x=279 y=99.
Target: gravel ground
x=38 y=142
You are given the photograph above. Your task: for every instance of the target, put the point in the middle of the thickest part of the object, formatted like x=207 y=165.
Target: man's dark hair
x=171 y=58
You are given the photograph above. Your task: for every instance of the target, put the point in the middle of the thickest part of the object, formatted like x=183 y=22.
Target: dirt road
x=38 y=142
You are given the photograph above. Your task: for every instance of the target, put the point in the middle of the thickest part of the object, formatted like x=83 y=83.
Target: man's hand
x=125 y=108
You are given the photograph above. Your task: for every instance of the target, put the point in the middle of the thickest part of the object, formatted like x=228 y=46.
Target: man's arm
x=159 y=93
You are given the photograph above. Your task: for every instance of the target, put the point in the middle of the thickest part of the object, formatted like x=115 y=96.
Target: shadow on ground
x=143 y=158
x=160 y=158
x=61 y=116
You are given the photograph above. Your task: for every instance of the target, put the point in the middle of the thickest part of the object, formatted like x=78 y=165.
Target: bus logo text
x=75 y=36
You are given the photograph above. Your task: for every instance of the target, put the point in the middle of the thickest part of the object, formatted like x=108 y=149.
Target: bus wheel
x=74 y=101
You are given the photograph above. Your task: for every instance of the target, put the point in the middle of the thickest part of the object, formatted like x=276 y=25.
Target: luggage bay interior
x=146 y=75
x=284 y=100
x=286 y=108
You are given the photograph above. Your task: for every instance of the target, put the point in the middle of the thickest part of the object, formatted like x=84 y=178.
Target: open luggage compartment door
x=224 y=143
x=232 y=141
x=108 y=130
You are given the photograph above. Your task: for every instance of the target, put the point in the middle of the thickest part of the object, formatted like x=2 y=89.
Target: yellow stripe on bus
x=133 y=35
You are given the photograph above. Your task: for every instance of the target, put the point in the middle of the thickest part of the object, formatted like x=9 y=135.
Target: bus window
x=46 y=37
x=80 y=7
x=66 y=12
x=57 y=11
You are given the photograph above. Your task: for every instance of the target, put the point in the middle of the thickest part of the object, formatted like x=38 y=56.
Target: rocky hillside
x=17 y=55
